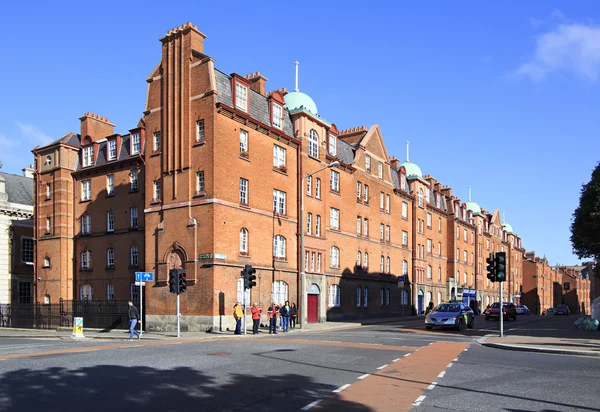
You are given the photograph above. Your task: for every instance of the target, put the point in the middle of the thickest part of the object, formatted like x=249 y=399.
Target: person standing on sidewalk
x=272 y=314
x=285 y=315
x=134 y=317
x=256 y=311
x=237 y=315
x=293 y=316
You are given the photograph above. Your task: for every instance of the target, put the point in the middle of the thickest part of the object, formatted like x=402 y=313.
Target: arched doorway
x=312 y=303
x=420 y=302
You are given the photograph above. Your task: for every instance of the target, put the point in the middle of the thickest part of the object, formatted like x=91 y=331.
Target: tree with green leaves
x=585 y=227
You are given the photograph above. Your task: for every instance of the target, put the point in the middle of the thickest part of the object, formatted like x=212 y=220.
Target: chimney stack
x=97 y=127
x=28 y=171
x=394 y=163
x=258 y=83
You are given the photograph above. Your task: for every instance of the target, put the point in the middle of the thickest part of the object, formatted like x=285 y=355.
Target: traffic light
x=491 y=275
x=173 y=280
x=182 y=285
x=244 y=275
x=500 y=266
x=250 y=276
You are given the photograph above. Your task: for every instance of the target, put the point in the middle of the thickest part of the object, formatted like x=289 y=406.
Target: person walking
x=293 y=316
x=272 y=314
x=134 y=317
x=237 y=315
x=256 y=311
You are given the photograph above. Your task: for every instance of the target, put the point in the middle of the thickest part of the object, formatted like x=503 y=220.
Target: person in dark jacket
x=293 y=316
x=134 y=317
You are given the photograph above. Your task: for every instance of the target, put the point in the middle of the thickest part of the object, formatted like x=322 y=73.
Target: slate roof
x=19 y=189
x=345 y=152
x=103 y=155
x=70 y=138
x=259 y=107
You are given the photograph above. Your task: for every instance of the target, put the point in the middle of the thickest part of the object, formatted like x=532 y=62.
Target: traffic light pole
x=501 y=310
x=178 y=316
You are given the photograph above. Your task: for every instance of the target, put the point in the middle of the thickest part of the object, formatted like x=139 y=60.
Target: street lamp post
x=303 y=303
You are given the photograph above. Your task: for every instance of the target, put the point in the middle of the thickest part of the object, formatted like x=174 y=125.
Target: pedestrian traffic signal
x=491 y=275
x=500 y=266
x=244 y=275
x=182 y=284
x=173 y=280
x=250 y=276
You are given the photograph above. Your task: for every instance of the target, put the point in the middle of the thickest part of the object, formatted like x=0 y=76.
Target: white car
x=523 y=310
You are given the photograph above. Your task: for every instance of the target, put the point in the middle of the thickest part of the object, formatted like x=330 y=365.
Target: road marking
x=419 y=400
x=449 y=365
x=310 y=405
x=363 y=376
x=396 y=360
x=430 y=387
x=381 y=367
x=341 y=388
x=442 y=373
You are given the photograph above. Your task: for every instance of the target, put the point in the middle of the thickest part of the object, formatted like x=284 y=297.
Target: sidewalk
x=121 y=334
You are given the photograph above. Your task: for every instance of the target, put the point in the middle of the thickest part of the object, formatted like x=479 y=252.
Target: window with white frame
x=110 y=185
x=380 y=170
x=156 y=142
x=86 y=292
x=279 y=292
x=279 y=201
x=309 y=223
x=312 y=261
x=277 y=116
x=48 y=191
x=427 y=194
x=133 y=256
x=241 y=293
x=86 y=259
x=387 y=203
x=200 y=181
x=429 y=246
x=358 y=296
x=135 y=143
x=156 y=193
x=366 y=261
x=112 y=149
x=332 y=145
x=86 y=189
x=241 y=97
x=381 y=231
x=279 y=157
x=387 y=233
x=86 y=224
x=318 y=188
x=420 y=197
x=366 y=194
x=334 y=296
x=334 y=218
x=439 y=274
x=404 y=238
x=439 y=252
x=381 y=263
x=110 y=291
x=465 y=235
x=27 y=250
x=133 y=217
x=429 y=220
x=318 y=226
x=358 y=225
x=440 y=224
x=133 y=180
x=200 y=130
x=279 y=247
x=381 y=296
x=366 y=227
x=243 y=143
x=243 y=191
x=358 y=190
x=313 y=143
x=381 y=200
x=243 y=241
x=387 y=264
x=465 y=256
x=110 y=221
x=88 y=156
x=334 y=180
x=319 y=263
x=367 y=163
x=404 y=268
x=358 y=259
x=48 y=225
x=110 y=257
x=429 y=271
x=334 y=257
x=404 y=210
x=309 y=185
x=366 y=297
x=403 y=182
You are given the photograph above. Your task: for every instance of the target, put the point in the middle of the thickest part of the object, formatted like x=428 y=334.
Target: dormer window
x=332 y=145
x=403 y=182
x=112 y=149
x=135 y=144
x=277 y=116
x=241 y=97
x=88 y=156
x=313 y=144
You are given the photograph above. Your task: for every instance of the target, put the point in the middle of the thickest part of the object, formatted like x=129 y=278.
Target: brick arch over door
x=175 y=257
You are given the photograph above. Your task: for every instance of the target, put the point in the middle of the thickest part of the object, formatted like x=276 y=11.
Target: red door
x=313 y=308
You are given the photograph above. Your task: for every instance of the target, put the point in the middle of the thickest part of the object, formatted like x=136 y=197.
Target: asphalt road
x=380 y=367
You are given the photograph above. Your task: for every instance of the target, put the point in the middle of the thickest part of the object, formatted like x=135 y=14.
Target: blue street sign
x=144 y=276
x=401 y=278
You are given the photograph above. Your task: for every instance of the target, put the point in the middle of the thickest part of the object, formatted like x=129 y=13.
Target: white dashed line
x=310 y=405
x=449 y=365
x=381 y=367
x=396 y=360
x=341 y=388
x=430 y=387
x=363 y=376
x=442 y=373
x=419 y=400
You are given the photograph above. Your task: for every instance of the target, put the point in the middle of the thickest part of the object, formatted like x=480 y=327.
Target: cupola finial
x=296 y=63
x=503 y=217
x=469 y=193
x=407 y=157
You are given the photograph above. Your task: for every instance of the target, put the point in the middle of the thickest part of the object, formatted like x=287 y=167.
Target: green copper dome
x=412 y=170
x=507 y=228
x=473 y=207
x=296 y=100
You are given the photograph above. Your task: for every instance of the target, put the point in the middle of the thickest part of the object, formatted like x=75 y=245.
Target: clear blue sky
x=501 y=95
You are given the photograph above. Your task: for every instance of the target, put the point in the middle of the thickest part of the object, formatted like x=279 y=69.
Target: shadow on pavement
x=118 y=388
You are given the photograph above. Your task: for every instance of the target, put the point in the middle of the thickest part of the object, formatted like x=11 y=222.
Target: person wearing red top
x=256 y=311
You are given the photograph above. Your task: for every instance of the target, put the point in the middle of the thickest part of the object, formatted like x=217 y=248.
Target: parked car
x=523 y=310
x=450 y=315
x=562 y=310
x=509 y=311
x=549 y=311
